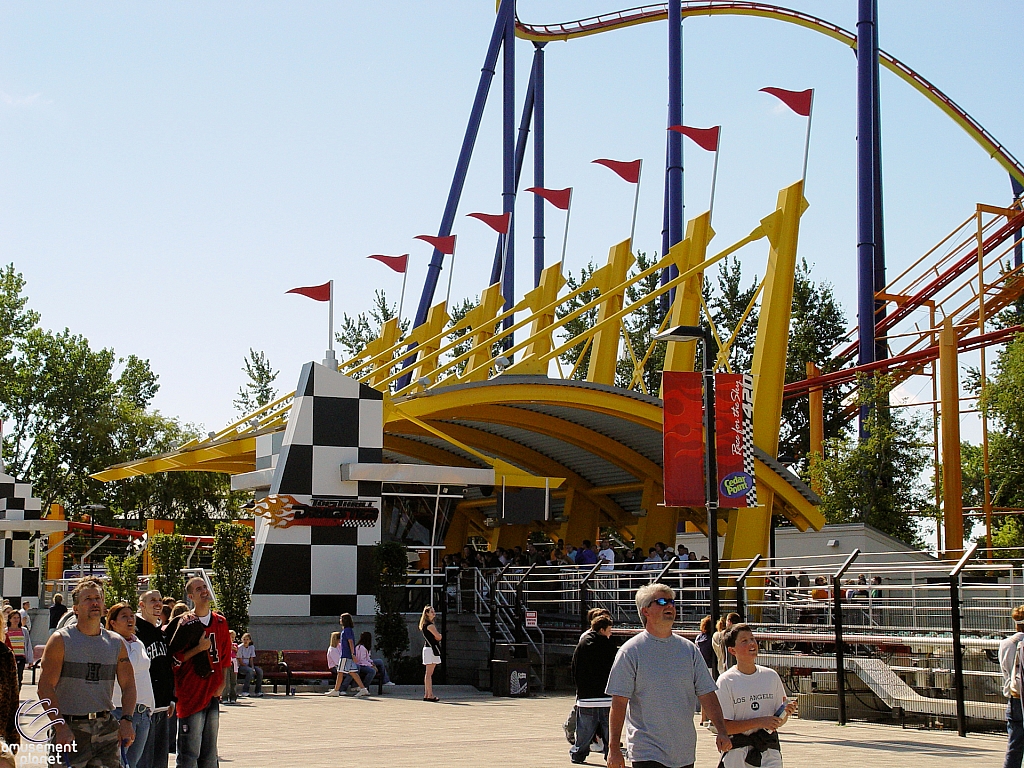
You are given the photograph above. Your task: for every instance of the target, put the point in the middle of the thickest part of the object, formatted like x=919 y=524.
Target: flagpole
x=714 y=177
x=807 y=140
x=451 y=273
x=565 y=235
x=504 y=251
x=330 y=320
x=401 y=301
x=636 y=202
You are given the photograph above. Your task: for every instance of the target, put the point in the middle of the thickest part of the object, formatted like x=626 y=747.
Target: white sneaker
x=388 y=683
x=363 y=693
x=333 y=693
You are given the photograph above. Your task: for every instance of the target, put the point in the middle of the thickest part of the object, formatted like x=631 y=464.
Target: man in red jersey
x=200 y=647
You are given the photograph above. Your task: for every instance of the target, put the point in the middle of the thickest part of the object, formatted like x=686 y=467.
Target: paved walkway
x=473 y=730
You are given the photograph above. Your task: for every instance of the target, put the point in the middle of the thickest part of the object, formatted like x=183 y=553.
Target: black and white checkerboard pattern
x=320 y=570
x=748 y=443
x=17 y=503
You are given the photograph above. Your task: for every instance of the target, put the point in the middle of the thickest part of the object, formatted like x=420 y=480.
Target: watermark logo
x=33 y=721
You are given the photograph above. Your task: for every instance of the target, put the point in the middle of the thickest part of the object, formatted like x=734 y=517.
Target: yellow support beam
x=430 y=331
x=688 y=254
x=481 y=320
x=610 y=281
x=749 y=529
x=540 y=300
x=388 y=337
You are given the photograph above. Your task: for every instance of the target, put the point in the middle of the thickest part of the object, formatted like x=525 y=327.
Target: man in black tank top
x=79 y=666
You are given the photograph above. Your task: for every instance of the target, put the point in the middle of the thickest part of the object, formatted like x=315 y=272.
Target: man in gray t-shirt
x=661 y=676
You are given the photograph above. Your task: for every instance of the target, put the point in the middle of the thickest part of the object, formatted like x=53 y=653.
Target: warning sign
x=531 y=619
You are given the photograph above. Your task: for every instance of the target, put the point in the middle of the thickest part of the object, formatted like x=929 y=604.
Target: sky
x=168 y=171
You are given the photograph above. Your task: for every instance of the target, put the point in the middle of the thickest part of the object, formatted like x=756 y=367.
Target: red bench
x=287 y=667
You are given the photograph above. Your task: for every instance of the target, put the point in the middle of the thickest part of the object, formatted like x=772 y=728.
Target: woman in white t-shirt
x=121 y=620
x=247 y=668
x=754 y=702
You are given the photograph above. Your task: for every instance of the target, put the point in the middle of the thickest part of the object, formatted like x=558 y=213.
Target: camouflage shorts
x=96 y=744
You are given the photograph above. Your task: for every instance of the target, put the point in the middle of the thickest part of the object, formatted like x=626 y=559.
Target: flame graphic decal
x=278 y=510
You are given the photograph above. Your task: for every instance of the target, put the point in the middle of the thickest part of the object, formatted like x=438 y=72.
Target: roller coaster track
x=648 y=13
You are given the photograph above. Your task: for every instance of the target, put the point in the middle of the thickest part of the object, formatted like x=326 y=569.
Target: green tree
x=817 y=322
x=876 y=480
x=578 y=325
x=727 y=306
x=390 y=565
x=358 y=331
x=232 y=571
x=167 y=551
x=640 y=327
x=122 y=579
x=259 y=389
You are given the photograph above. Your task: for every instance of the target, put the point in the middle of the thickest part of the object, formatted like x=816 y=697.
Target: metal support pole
x=501 y=22
x=711 y=471
x=494 y=610
x=837 y=625
x=867 y=62
x=521 y=606
x=508 y=189
x=585 y=597
x=538 y=161
x=674 y=152
x=958 y=650
x=1018 y=249
x=741 y=587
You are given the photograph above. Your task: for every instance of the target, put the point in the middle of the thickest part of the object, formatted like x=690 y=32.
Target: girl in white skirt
x=431 y=651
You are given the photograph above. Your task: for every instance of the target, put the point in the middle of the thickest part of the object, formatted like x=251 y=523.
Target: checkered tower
x=17 y=504
x=307 y=570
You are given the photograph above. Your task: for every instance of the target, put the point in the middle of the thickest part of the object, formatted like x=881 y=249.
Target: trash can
x=510 y=670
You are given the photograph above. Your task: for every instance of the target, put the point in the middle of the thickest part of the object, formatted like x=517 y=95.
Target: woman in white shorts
x=431 y=651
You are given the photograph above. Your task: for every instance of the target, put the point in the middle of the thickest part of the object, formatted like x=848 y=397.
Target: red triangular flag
x=496 y=221
x=798 y=101
x=315 y=292
x=397 y=263
x=705 y=138
x=628 y=170
x=445 y=245
x=557 y=197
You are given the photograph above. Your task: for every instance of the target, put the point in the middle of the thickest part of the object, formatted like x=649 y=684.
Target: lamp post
x=93 y=509
x=700 y=333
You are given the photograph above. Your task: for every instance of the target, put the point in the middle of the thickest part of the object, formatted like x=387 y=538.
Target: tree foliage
x=635 y=369
x=232 y=572
x=70 y=410
x=876 y=480
x=358 y=331
x=167 y=551
x=258 y=389
x=122 y=579
x=579 y=324
x=389 y=565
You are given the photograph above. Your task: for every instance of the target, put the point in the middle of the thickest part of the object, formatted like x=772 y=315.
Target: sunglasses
x=662 y=601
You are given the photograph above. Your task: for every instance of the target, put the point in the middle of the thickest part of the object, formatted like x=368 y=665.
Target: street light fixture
x=701 y=333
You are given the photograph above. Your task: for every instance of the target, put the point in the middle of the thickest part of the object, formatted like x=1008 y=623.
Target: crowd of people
x=126 y=685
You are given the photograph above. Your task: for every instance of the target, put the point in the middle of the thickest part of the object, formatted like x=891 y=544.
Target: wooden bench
x=289 y=667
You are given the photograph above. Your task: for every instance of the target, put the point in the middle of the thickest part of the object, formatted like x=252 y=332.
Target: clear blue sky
x=167 y=171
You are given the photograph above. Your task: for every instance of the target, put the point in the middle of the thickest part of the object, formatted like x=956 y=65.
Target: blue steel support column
x=524 y=134
x=1018 y=190
x=881 y=344
x=866 y=55
x=465 y=154
x=538 y=161
x=663 y=300
x=508 y=166
x=674 y=159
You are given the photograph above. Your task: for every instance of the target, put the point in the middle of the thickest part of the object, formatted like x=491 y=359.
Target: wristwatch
x=126 y=717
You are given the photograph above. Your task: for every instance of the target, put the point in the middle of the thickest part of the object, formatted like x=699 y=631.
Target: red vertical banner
x=684 y=439
x=734 y=440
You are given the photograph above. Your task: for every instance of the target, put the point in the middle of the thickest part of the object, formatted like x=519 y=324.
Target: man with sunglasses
x=661 y=677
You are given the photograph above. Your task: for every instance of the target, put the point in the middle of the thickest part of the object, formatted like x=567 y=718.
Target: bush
x=122 y=579
x=389 y=565
x=232 y=571
x=167 y=551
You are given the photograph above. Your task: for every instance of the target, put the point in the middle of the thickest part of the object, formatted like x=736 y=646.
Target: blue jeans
x=366 y=674
x=197 y=738
x=246 y=674
x=140 y=722
x=157 y=745
x=590 y=722
x=382 y=669
x=1015 y=734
